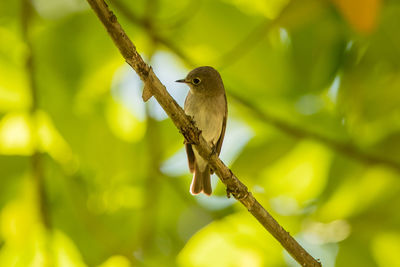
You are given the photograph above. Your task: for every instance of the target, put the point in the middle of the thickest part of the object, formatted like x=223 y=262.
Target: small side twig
x=182 y=122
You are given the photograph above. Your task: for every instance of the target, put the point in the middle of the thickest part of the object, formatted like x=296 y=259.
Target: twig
x=154 y=87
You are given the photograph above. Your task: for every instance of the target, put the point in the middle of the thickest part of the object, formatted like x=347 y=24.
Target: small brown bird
x=206 y=104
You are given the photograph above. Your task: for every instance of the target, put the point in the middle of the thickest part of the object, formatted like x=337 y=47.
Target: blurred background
x=92 y=176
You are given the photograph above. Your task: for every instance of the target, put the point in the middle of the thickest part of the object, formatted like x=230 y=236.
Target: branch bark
x=153 y=87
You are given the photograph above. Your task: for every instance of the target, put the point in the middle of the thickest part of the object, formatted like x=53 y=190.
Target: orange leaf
x=362 y=15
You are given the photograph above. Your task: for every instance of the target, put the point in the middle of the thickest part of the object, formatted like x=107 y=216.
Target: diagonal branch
x=154 y=87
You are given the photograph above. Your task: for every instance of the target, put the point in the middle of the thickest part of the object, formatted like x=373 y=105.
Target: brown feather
x=190 y=156
x=201 y=181
x=218 y=145
x=207 y=182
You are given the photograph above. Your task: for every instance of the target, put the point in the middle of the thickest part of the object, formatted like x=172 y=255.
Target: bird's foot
x=213 y=148
x=229 y=192
x=190 y=118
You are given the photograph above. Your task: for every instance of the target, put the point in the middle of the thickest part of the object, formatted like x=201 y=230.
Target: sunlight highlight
x=15 y=134
x=51 y=141
x=123 y=123
x=357 y=192
x=301 y=174
x=116 y=261
x=269 y=9
x=385 y=248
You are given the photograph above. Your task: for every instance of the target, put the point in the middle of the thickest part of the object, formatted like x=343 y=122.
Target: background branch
x=152 y=183
x=344 y=148
x=154 y=87
x=36 y=158
x=147 y=24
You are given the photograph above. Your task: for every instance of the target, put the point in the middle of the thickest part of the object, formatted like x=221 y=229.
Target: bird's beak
x=181 y=81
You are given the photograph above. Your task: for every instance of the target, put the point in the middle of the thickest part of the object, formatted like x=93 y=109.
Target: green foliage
x=317 y=142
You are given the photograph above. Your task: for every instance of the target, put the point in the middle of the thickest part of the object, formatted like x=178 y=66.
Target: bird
x=206 y=104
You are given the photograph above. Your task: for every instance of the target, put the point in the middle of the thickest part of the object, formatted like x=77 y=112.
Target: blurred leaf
x=385 y=247
x=270 y=9
x=22 y=231
x=116 y=261
x=357 y=193
x=259 y=153
x=124 y=124
x=301 y=174
x=233 y=241
x=317 y=63
x=14 y=91
x=16 y=134
x=66 y=253
x=11 y=170
x=355 y=251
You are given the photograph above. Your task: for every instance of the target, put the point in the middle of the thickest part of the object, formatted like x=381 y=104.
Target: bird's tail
x=201 y=181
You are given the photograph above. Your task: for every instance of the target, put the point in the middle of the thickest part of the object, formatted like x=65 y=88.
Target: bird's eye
x=196 y=81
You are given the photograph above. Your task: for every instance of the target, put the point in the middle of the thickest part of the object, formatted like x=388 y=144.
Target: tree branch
x=154 y=87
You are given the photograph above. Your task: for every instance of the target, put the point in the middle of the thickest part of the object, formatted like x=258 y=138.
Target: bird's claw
x=229 y=192
x=190 y=118
x=213 y=148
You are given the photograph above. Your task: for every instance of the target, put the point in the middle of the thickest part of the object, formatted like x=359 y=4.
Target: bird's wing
x=190 y=156
x=189 y=148
x=221 y=137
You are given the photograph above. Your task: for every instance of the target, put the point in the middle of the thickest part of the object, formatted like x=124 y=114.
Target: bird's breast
x=208 y=114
